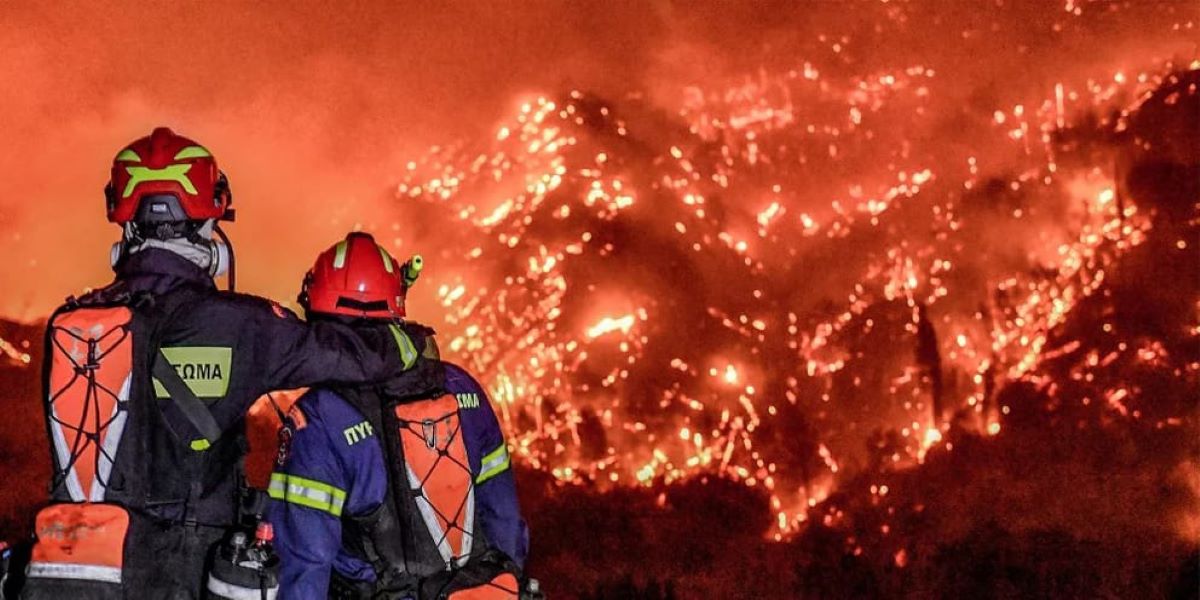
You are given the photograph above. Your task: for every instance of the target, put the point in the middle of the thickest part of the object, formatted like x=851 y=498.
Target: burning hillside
x=654 y=296
x=872 y=311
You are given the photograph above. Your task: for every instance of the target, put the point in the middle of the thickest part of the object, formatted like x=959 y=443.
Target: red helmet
x=166 y=177
x=355 y=277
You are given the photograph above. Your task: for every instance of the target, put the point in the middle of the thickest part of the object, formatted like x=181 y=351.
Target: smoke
x=854 y=169
x=313 y=107
x=309 y=107
x=793 y=244
x=852 y=231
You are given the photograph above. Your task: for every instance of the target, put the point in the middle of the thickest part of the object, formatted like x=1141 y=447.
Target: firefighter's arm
x=298 y=354
x=495 y=486
x=500 y=514
x=305 y=509
x=332 y=468
x=308 y=493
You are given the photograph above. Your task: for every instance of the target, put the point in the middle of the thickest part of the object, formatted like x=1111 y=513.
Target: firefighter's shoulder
x=459 y=380
x=327 y=412
x=465 y=388
x=247 y=306
x=416 y=329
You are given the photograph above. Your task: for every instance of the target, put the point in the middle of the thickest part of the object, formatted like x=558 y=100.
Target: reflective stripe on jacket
x=229 y=349
x=334 y=452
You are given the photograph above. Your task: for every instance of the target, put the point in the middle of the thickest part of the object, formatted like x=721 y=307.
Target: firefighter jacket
x=417 y=492
x=119 y=437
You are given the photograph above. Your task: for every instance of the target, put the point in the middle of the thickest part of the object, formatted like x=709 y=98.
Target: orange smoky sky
x=314 y=108
x=311 y=108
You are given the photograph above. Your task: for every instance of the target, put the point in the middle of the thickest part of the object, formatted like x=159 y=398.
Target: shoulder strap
x=192 y=407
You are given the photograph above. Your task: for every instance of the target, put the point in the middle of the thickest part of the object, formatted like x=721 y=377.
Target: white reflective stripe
x=63 y=452
x=307 y=492
x=430 y=517
x=493 y=464
x=237 y=592
x=468 y=528
x=48 y=570
x=333 y=502
x=495 y=459
x=112 y=439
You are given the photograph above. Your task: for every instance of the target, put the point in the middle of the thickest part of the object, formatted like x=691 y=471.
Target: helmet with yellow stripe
x=357 y=277
x=166 y=178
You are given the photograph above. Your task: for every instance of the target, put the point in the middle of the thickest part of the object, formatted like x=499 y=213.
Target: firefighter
x=379 y=493
x=149 y=379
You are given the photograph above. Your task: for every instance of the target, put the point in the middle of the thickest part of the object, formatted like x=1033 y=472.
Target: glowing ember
x=609 y=324
x=841 y=257
x=13 y=353
x=972 y=275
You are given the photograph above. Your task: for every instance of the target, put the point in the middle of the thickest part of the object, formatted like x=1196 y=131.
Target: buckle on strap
x=429 y=432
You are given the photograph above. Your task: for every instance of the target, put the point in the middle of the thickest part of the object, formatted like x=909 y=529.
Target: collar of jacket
x=426 y=378
x=156 y=270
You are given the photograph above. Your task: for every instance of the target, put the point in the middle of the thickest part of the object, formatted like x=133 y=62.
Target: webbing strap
x=192 y=407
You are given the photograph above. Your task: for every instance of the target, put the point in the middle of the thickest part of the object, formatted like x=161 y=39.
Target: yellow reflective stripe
x=278 y=485
x=291 y=480
x=387 y=260
x=308 y=493
x=408 y=352
x=339 y=255
x=493 y=464
x=193 y=152
x=200 y=445
x=176 y=173
x=128 y=156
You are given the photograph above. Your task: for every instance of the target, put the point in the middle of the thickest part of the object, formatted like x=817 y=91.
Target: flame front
x=762 y=283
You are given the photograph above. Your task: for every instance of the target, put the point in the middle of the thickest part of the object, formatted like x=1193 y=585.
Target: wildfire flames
x=752 y=286
x=839 y=263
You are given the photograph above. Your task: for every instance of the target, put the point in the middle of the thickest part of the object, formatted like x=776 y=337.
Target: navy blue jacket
x=346 y=476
